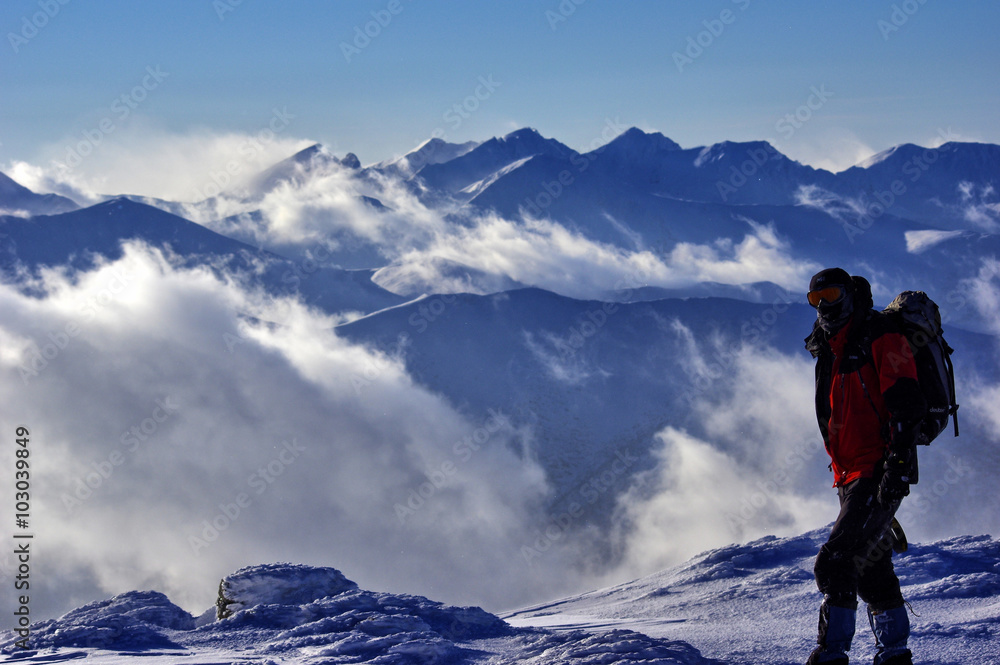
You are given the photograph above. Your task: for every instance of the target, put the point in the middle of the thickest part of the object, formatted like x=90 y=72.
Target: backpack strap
x=953 y=412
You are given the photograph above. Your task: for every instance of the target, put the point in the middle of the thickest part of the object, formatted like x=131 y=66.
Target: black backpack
x=918 y=318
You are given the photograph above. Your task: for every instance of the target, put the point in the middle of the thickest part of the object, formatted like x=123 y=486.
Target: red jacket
x=865 y=378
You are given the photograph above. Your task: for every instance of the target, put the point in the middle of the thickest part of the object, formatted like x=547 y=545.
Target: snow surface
x=303 y=614
x=742 y=604
x=758 y=603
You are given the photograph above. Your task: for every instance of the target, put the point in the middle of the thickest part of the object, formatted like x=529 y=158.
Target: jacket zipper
x=842 y=476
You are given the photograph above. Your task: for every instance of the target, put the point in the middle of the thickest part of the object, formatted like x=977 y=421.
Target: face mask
x=833 y=315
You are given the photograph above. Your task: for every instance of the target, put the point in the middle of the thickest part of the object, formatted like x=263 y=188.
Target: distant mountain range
x=18 y=200
x=591 y=376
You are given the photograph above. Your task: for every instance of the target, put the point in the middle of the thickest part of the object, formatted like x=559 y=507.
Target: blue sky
x=827 y=83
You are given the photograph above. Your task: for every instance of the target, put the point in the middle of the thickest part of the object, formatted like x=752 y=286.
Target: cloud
x=366 y=220
x=982 y=289
x=753 y=463
x=142 y=158
x=979 y=206
x=558 y=357
x=833 y=149
x=841 y=208
x=918 y=241
x=331 y=207
x=544 y=253
x=183 y=426
x=755 y=467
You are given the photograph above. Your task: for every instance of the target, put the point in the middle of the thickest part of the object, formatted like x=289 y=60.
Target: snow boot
x=836 y=630
x=891 y=628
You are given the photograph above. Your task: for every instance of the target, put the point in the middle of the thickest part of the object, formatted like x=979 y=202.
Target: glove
x=895 y=483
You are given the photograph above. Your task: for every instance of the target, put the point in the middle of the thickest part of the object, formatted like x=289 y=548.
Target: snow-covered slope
x=957 y=184
x=757 y=603
x=431 y=151
x=487 y=158
x=752 y=604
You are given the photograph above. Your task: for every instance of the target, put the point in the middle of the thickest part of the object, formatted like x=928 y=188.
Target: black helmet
x=832 y=293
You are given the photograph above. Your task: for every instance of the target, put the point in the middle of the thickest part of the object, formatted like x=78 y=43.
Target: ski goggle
x=830 y=294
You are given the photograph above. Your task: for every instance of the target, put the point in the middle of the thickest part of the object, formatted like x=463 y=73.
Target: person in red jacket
x=868 y=405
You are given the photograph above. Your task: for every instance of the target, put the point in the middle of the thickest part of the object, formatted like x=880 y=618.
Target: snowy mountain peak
x=351 y=161
x=745 y=604
x=306 y=155
x=733 y=150
x=962 y=159
x=76 y=237
x=16 y=199
x=317 y=155
x=525 y=142
x=314 y=158
x=431 y=151
x=9 y=187
x=524 y=134
x=488 y=158
x=129 y=208
x=635 y=141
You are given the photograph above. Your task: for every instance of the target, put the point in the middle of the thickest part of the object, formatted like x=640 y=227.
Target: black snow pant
x=856 y=560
